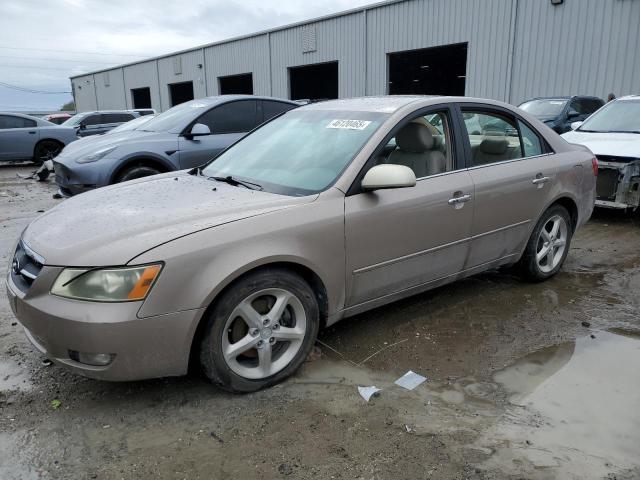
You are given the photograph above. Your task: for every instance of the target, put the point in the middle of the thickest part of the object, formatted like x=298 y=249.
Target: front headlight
x=106 y=284
x=103 y=152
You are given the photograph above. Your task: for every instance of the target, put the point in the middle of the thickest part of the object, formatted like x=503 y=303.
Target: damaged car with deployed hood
x=613 y=135
x=327 y=211
x=185 y=136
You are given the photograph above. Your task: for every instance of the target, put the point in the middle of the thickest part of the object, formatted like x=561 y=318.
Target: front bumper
x=143 y=348
x=74 y=178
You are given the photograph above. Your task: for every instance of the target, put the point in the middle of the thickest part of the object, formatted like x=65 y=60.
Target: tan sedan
x=330 y=210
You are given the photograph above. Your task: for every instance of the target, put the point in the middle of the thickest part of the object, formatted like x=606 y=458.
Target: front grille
x=25 y=267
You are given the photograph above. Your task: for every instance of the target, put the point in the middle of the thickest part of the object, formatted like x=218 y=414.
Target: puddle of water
x=580 y=414
x=13 y=377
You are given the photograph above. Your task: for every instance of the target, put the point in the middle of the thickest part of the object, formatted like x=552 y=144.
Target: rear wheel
x=548 y=246
x=137 y=171
x=46 y=150
x=260 y=331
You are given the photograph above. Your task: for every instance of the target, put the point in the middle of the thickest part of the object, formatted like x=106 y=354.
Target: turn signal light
x=594 y=164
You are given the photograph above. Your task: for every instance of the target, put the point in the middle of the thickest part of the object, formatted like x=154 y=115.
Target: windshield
x=73 y=121
x=130 y=125
x=621 y=116
x=176 y=116
x=544 y=108
x=300 y=153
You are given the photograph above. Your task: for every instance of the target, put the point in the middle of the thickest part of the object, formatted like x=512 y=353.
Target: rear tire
x=548 y=245
x=46 y=150
x=137 y=171
x=259 y=331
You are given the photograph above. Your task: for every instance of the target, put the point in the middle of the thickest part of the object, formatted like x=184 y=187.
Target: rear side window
x=530 y=141
x=92 y=120
x=116 y=117
x=234 y=117
x=9 y=121
x=493 y=137
x=271 y=109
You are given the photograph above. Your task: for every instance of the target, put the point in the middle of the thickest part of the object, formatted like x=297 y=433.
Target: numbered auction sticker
x=349 y=124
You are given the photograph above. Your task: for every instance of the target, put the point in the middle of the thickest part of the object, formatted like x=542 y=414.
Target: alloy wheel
x=264 y=333
x=552 y=243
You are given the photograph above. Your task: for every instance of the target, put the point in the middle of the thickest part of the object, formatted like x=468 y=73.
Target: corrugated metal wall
x=84 y=93
x=340 y=39
x=142 y=75
x=249 y=55
x=589 y=47
x=517 y=49
x=191 y=68
x=110 y=89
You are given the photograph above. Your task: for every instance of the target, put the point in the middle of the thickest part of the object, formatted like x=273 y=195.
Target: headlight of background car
x=106 y=284
x=103 y=152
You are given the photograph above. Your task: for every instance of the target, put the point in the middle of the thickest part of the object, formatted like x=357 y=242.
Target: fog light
x=93 y=359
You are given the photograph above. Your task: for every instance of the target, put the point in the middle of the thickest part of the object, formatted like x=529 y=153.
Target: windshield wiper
x=235 y=182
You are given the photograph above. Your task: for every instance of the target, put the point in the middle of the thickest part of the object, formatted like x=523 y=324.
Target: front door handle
x=459 y=199
x=540 y=180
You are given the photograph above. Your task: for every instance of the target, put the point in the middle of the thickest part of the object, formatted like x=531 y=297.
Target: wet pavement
x=524 y=381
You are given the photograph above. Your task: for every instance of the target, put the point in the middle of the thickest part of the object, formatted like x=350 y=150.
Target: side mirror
x=572 y=113
x=576 y=125
x=199 y=130
x=388 y=176
x=82 y=126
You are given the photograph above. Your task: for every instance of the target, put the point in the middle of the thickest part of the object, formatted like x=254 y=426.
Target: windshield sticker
x=349 y=124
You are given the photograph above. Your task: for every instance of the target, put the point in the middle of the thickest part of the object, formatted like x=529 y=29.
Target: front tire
x=137 y=171
x=46 y=150
x=260 y=331
x=548 y=245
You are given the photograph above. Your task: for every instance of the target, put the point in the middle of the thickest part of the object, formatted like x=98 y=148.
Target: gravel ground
x=524 y=381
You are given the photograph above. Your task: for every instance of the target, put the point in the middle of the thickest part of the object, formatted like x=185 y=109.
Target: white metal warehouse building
x=509 y=50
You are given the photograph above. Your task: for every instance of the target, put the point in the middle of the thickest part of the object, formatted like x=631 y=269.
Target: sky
x=44 y=42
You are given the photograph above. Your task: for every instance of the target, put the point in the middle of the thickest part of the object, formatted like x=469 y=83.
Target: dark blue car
x=560 y=112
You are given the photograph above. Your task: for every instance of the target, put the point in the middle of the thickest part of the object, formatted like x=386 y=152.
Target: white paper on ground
x=368 y=392
x=410 y=380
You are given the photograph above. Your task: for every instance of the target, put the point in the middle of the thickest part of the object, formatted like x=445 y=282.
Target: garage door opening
x=236 y=84
x=141 y=97
x=180 y=92
x=314 y=82
x=429 y=71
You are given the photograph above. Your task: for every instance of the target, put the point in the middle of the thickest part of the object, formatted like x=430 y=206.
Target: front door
x=402 y=238
x=227 y=122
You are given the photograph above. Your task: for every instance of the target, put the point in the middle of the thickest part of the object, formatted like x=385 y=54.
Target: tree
x=69 y=106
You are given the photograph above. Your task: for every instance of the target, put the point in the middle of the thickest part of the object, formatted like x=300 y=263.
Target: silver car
x=98 y=122
x=330 y=210
x=185 y=136
x=23 y=137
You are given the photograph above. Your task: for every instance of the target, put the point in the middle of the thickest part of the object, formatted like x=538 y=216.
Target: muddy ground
x=524 y=381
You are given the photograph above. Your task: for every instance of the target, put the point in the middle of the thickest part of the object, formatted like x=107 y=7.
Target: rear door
x=513 y=171
x=228 y=122
x=18 y=137
x=406 y=238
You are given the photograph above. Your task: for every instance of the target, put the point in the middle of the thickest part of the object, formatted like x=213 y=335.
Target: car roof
x=629 y=97
x=216 y=99
x=23 y=115
x=564 y=97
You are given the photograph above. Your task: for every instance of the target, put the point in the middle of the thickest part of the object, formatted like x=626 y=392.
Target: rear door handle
x=540 y=180
x=459 y=199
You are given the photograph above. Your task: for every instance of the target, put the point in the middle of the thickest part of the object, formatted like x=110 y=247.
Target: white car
x=613 y=135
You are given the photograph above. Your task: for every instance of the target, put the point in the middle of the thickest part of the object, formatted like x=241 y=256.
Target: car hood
x=91 y=144
x=615 y=144
x=112 y=225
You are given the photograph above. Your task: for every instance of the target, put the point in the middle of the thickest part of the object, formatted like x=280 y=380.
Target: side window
x=530 y=141
x=271 y=109
x=423 y=145
x=92 y=120
x=9 y=121
x=593 y=105
x=234 y=117
x=493 y=137
x=579 y=106
x=116 y=117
